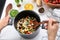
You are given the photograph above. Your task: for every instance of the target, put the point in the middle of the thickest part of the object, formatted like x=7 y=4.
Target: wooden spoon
x=38 y=23
x=8 y=8
x=47 y=22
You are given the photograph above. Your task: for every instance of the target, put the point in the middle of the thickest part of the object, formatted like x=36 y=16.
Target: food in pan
x=27 y=25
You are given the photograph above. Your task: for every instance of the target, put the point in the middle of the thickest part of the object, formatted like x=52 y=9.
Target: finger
x=50 y=22
x=55 y=25
x=8 y=8
x=7 y=17
x=46 y=27
x=53 y=20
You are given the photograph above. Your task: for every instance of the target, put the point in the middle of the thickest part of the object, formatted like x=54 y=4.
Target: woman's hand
x=4 y=22
x=52 y=29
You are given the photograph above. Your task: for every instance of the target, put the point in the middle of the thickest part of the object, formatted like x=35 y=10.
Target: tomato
x=59 y=1
x=46 y=1
x=54 y=2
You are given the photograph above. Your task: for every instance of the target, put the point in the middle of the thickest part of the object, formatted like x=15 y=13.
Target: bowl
x=13 y=13
x=51 y=4
x=30 y=14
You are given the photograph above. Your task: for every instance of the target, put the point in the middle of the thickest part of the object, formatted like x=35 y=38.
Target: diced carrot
x=29 y=32
x=31 y=21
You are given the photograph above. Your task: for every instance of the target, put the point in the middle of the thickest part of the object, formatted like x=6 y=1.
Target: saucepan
x=29 y=13
x=23 y=14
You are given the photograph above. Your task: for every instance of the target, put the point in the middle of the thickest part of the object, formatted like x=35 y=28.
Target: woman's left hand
x=4 y=22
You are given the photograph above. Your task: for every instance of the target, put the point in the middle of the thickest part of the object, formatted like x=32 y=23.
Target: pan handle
x=43 y=24
x=43 y=27
x=11 y=21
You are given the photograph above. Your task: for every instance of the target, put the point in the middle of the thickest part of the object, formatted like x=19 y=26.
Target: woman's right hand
x=52 y=29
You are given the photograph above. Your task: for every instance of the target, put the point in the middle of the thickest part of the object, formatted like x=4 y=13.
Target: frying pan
x=23 y=14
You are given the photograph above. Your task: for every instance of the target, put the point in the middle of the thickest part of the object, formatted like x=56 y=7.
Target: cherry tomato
x=59 y=1
x=54 y=2
x=46 y=1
